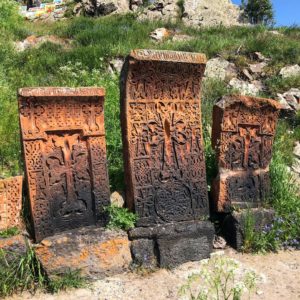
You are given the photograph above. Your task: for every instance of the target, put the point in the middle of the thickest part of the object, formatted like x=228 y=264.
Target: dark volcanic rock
x=96 y=252
x=233 y=225
x=174 y=243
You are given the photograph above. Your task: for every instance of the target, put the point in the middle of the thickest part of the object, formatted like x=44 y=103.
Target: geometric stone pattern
x=10 y=202
x=242 y=136
x=64 y=147
x=162 y=136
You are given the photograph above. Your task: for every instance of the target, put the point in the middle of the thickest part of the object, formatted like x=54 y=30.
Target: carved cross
x=58 y=169
x=31 y=110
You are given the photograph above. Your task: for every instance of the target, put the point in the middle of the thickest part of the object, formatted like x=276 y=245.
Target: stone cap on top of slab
x=248 y=101
x=168 y=56
x=62 y=92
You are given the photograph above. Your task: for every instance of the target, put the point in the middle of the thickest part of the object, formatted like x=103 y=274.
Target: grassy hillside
x=97 y=41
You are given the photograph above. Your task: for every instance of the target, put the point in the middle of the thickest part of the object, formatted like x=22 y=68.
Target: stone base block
x=171 y=244
x=240 y=189
x=12 y=247
x=94 y=251
x=233 y=225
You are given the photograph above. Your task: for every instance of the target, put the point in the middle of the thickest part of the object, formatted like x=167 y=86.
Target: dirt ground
x=279 y=273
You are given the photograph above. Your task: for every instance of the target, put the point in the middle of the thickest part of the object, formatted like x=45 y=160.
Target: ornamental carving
x=65 y=156
x=162 y=136
x=243 y=134
x=10 y=202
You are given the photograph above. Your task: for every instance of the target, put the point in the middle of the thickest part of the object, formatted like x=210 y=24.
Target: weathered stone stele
x=10 y=202
x=65 y=157
x=243 y=134
x=162 y=136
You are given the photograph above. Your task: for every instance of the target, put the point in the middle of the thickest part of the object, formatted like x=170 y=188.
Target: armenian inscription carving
x=243 y=133
x=65 y=154
x=10 y=202
x=162 y=136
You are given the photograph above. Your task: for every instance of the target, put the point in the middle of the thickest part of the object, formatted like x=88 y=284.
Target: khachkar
x=243 y=134
x=10 y=202
x=162 y=139
x=65 y=157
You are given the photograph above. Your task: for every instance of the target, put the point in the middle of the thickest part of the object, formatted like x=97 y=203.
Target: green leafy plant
x=220 y=278
x=120 y=217
x=9 y=232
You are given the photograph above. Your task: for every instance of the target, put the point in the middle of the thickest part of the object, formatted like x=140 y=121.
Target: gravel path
x=280 y=279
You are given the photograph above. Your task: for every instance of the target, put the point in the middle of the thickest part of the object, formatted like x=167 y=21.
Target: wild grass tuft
x=71 y=279
x=9 y=232
x=18 y=273
x=24 y=272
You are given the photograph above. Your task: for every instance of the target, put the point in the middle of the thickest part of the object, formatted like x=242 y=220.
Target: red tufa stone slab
x=65 y=155
x=10 y=202
x=242 y=135
x=162 y=136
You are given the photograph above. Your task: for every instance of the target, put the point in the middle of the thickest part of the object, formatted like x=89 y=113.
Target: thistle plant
x=220 y=278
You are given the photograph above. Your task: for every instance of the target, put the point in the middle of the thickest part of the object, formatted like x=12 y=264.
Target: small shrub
x=9 y=232
x=219 y=278
x=120 y=217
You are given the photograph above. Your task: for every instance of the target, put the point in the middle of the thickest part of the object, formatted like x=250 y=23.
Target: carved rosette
x=243 y=134
x=10 y=202
x=162 y=136
x=65 y=155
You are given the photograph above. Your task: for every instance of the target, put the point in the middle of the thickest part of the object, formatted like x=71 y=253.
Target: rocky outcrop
x=246 y=88
x=166 y=10
x=290 y=71
x=193 y=12
x=290 y=102
x=219 y=68
x=96 y=8
x=211 y=13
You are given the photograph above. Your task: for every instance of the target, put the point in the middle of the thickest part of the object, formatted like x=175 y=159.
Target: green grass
x=18 y=273
x=24 y=272
x=71 y=279
x=9 y=232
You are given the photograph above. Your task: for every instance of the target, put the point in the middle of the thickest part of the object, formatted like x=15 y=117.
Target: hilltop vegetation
x=85 y=63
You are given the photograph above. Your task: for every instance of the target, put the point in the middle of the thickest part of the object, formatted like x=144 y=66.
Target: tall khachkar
x=243 y=134
x=162 y=135
x=65 y=157
x=163 y=144
x=10 y=202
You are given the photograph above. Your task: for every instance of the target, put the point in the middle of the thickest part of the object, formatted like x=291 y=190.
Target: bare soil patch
x=280 y=273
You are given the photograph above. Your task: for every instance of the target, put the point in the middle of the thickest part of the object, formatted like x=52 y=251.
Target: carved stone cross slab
x=162 y=136
x=65 y=156
x=10 y=202
x=243 y=134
